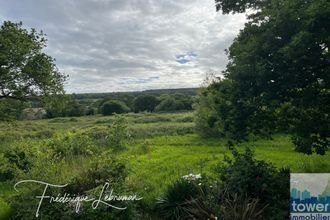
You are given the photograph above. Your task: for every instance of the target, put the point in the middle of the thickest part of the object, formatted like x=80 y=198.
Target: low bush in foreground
x=245 y=189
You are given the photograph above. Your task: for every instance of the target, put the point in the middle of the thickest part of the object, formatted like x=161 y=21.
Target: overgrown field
x=156 y=149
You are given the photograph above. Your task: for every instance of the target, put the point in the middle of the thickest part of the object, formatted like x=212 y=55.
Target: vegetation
x=176 y=102
x=145 y=103
x=25 y=69
x=112 y=107
x=252 y=125
x=277 y=76
x=153 y=151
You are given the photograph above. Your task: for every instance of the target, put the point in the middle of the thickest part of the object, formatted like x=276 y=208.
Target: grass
x=163 y=148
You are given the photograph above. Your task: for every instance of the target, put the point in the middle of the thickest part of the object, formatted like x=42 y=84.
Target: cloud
x=127 y=45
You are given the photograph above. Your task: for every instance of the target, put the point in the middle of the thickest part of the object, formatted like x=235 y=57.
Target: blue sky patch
x=185 y=58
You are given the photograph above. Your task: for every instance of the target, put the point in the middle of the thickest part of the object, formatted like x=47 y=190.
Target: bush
x=114 y=106
x=256 y=179
x=237 y=208
x=70 y=144
x=176 y=201
x=170 y=104
x=11 y=109
x=245 y=189
x=145 y=103
x=75 y=109
x=15 y=160
x=175 y=102
x=117 y=133
x=311 y=143
x=112 y=136
x=7 y=170
x=90 y=111
x=103 y=168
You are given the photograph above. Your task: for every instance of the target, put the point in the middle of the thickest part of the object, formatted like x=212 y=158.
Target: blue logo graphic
x=310 y=196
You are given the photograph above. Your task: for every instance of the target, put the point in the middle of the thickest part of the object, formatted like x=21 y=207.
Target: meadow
x=159 y=148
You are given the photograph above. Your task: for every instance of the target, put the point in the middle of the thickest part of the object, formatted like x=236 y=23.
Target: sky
x=130 y=45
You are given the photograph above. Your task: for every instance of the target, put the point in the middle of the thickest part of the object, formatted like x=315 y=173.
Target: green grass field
x=162 y=148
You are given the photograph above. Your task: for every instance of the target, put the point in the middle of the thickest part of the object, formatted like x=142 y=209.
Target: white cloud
x=126 y=45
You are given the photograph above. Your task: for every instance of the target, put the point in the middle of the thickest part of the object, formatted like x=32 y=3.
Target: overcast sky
x=130 y=45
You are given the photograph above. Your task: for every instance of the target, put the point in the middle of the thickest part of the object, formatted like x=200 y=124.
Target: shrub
x=7 y=170
x=103 y=168
x=114 y=106
x=74 y=108
x=311 y=143
x=237 y=208
x=117 y=133
x=256 y=179
x=175 y=202
x=70 y=144
x=170 y=104
x=19 y=158
x=5 y=210
x=11 y=109
x=90 y=111
x=112 y=136
x=145 y=103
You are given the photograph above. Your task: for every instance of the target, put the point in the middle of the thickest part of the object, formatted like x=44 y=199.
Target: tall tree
x=279 y=71
x=145 y=103
x=25 y=70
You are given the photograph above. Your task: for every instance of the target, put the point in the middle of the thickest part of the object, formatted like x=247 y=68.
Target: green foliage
x=63 y=106
x=118 y=133
x=169 y=104
x=24 y=69
x=280 y=58
x=18 y=159
x=5 y=210
x=213 y=111
x=11 y=109
x=75 y=109
x=238 y=6
x=113 y=136
x=145 y=103
x=175 y=201
x=161 y=149
x=91 y=111
x=145 y=131
x=236 y=208
x=102 y=168
x=56 y=105
x=7 y=170
x=112 y=107
x=175 y=102
x=256 y=179
x=70 y=144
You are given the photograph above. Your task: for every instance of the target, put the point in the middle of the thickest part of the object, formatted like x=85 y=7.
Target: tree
x=174 y=102
x=56 y=105
x=145 y=103
x=11 y=109
x=25 y=70
x=114 y=106
x=279 y=71
x=74 y=108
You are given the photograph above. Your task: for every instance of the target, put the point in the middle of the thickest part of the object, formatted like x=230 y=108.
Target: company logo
x=310 y=196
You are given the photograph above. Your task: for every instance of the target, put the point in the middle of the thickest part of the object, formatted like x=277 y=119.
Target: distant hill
x=156 y=92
